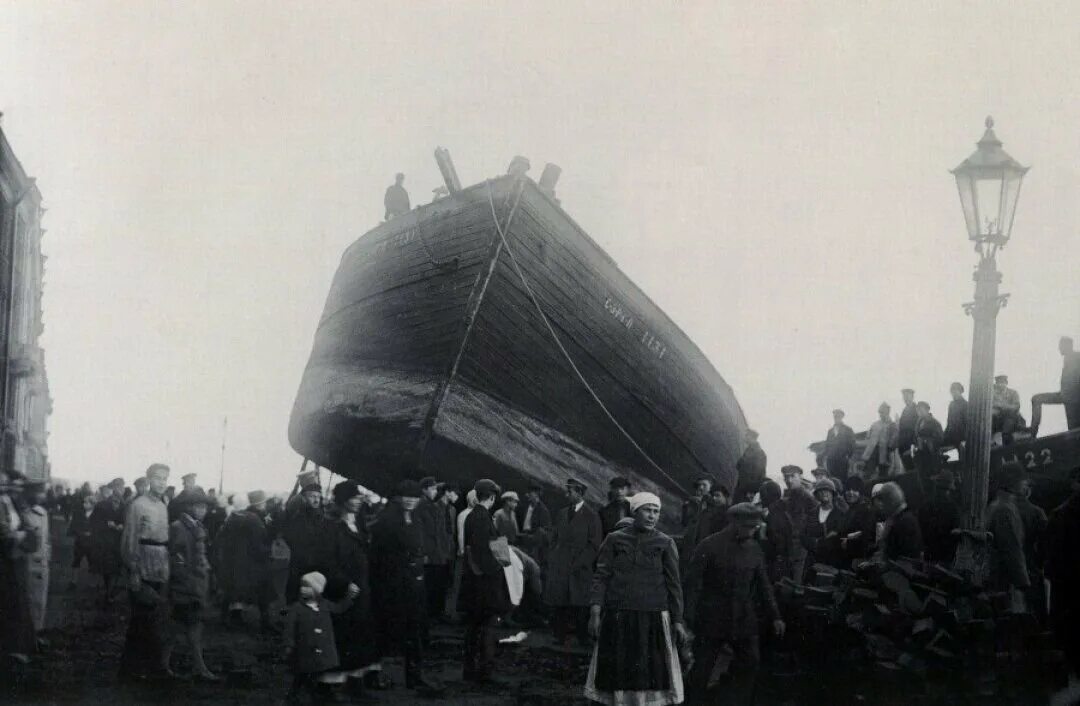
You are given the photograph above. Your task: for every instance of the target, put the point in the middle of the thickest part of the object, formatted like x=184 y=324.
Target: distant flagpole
x=221 y=475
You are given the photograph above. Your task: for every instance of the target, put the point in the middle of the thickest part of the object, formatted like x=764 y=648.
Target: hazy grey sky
x=774 y=175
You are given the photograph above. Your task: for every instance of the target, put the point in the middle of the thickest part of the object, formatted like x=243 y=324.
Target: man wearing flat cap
x=881 y=441
x=618 y=505
x=188 y=481
x=106 y=533
x=438 y=534
x=751 y=468
x=144 y=548
x=305 y=531
x=1006 y=409
x=839 y=447
x=1008 y=563
x=726 y=584
x=575 y=544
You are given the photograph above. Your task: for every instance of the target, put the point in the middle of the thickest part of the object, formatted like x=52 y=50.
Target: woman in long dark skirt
x=354 y=629
x=636 y=614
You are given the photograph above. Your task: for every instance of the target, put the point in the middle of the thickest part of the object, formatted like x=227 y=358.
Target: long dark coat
x=307 y=533
x=189 y=568
x=575 y=544
x=242 y=552
x=106 y=540
x=485 y=594
x=354 y=629
x=397 y=577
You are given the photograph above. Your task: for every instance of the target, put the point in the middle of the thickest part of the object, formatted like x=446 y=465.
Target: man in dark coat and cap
x=618 y=505
x=534 y=524
x=575 y=543
x=726 y=584
x=438 y=532
x=839 y=447
x=905 y=429
x=484 y=595
x=305 y=531
x=399 y=597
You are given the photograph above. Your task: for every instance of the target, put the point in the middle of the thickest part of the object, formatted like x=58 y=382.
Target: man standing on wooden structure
x=1069 y=395
x=751 y=468
x=839 y=447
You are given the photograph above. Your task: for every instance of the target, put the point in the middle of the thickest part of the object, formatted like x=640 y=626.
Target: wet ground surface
x=79 y=666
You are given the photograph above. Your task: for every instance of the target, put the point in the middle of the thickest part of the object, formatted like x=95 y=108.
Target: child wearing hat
x=310 y=648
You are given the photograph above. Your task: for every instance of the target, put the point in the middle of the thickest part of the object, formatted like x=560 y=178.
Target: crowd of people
x=661 y=614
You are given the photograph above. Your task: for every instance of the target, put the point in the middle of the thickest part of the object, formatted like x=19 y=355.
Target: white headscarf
x=640 y=499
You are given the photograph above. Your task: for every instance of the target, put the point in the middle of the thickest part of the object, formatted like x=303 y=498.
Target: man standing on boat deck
x=396 y=199
x=144 y=548
x=574 y=545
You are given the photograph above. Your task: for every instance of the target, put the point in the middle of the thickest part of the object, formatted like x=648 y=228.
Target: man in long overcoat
x=839 y=447
x=574 y=546
x=397 y=580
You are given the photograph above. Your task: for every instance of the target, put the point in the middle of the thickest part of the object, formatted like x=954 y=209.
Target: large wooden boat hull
x=432 y=357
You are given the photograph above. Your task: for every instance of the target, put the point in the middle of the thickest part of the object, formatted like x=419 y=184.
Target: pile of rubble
x=913 y=619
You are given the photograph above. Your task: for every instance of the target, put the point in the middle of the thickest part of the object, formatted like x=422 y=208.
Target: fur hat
x=345 y=491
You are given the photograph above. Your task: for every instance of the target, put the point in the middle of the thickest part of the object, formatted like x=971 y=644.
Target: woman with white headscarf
x=636 y=607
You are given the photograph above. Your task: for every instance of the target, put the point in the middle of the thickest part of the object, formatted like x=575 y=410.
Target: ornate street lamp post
x=989 y=184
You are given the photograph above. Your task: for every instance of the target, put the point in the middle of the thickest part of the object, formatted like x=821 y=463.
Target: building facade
x=25 y=402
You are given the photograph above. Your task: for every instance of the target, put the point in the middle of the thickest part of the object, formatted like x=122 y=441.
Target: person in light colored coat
x=37 y=518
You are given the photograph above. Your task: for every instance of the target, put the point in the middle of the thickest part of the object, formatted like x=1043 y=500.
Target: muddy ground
x=79 y=666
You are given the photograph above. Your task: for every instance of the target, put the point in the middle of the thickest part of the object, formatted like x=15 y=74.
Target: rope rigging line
x=562 y=349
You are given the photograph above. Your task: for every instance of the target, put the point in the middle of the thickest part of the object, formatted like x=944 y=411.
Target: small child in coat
x=309 y=639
